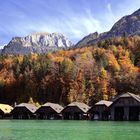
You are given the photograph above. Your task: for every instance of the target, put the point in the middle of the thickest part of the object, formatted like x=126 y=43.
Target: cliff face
x=87 y=39
x=37 y=43
x=129 y=25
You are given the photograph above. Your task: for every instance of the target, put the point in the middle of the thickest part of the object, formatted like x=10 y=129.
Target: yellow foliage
x=103 y=73
x=105 y=97
x=31 y=100
x=50 y=55
x=58 y=59
x=112 y=62
x=20 y=58
x=34 y=56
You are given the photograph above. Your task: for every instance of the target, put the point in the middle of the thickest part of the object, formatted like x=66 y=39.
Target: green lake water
x=68 y=130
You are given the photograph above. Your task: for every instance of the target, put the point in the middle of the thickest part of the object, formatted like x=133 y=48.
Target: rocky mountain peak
x=129 y=25
x=39 y=42
x=87 y=39
x=137 y=12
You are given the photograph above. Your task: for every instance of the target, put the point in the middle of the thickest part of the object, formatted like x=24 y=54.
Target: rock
x=37 y=43
x=128 y=25
x=87 y=39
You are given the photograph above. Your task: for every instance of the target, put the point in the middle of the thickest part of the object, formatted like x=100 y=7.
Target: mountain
x=1 y=48
x=128 y=25
x=87 y=39
x=37 y=43
x=100 y=72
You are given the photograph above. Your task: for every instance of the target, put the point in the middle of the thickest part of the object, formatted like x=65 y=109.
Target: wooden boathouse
x=5 y=111
x=24 y=111
x=100 y=111
x=75 y=111
x=126 y=107
x=49 y=111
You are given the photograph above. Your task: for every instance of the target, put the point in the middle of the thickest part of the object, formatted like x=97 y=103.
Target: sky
x=73 y=18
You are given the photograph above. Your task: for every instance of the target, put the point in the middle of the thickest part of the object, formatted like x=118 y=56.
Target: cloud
x=78 y=26
x=75 y=19
x=109 y=16
x=109 y=7
x=73 y=25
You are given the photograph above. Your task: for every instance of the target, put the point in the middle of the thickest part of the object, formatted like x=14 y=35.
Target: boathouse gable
x=49 y=111
x=126 y=107
x=100 y=111
x=5 y=110
x=24 y=111
x=75 y=111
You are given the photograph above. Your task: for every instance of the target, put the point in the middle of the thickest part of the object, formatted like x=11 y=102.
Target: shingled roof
x=84 y=107
x=31 y=107
x=126 y=95
x=56 y=107
x=103 y=102
x=6 y=109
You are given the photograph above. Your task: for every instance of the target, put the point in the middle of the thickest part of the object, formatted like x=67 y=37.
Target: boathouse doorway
x=134 y=113
x=105 y=115
x=95 y=115
x=119 y=114
x=1 y=114
x=72 y=116
x=41 y=115
x=67 y=116
x=21 y=116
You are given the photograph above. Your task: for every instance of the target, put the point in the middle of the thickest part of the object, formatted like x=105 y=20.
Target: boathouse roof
x=127 y=95
x=31 y=107
x=56 y=107
x=5 y=108
x=104 y=102
x=84 y=107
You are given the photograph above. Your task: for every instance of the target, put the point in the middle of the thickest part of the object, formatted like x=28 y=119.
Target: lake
x=68 y=130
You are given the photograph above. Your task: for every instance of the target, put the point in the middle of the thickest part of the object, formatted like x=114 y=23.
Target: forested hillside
x=85 y=74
